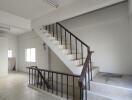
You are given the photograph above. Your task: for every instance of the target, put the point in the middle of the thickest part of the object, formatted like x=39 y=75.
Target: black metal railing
x=58 y=83
x=76 y=47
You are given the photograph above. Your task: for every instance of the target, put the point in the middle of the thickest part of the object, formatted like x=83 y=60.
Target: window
x=30 y=55
x=9 y=53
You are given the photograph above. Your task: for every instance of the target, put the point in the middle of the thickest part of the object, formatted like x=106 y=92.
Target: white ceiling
x=74 y=9
x=19 y=14
x=29 y=9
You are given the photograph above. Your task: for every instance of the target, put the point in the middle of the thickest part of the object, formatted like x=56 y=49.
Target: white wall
x=57 y=64
x=106 y=32
x=130 y=23
x=3 y=56
x=31 y=40
x=12 y=44
x=14 y=21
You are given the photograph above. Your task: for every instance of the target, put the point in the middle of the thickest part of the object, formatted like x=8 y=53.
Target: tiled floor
x=124 y=81
x=15 y=87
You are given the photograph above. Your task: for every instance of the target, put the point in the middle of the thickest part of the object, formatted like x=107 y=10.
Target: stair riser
x=73 y=56
x=79 y=62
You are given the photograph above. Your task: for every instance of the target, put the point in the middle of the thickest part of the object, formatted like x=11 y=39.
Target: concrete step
x=79 y=61
x=110 y=91
x=94 y=96
x=95 y=70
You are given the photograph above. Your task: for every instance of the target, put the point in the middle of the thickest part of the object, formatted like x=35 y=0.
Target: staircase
x=72 y=51
x=69 y=48
x=76 y=55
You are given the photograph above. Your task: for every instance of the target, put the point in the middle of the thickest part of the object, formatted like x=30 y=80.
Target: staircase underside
x=68 y=59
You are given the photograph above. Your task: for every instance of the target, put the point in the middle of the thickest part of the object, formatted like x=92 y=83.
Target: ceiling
x=74 y=9
x=19 y=14
x=30 y=9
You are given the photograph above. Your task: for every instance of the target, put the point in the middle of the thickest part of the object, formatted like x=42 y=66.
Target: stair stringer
x=63 y=57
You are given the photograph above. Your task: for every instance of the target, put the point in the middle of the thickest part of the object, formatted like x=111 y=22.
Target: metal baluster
x=61 y=85
x=52 y=83
x=44 y=79
x=48 y=81
x=70 y=44
x=57 y=83
x=32 y=76
x=53 y=29
x=38 y=80
x=35 y=78
x=82 y=52
x=61 y=34
x=29 y=75
x=85 y=87
x=81 y=93
x=88 y=71
x=46 y=28
x=65 y=40
x=73 y=89
x=90 y=67
x=57 y=31
x=76 y=48
x=49 y=28
x=67 y=86
x=41 y=81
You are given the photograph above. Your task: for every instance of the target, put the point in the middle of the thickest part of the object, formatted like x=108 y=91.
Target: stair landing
x=111 y=88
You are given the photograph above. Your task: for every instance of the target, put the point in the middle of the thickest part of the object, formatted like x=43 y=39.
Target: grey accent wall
x=106 y=31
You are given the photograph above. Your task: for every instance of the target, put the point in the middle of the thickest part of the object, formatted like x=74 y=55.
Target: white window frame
x=30 y=55
x=10 y=55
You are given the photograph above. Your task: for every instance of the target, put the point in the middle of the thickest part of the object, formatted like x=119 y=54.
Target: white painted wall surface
x=31 y=40
x=57 y=64
x=16 y=21
x=3 y=56
x=107 y=33
x=13 y=45
x=130 y=24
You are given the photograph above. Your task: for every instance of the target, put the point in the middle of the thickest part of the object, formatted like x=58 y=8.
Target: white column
x=3 y=56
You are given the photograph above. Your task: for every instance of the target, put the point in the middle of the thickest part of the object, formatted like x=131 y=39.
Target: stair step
x=64 y=46
x=73 y=56
x=79 y=61
x=115 y=92
x=52 y=38
x=95 y=70
x=68 y=51
x=95 y=96
x=47 y=34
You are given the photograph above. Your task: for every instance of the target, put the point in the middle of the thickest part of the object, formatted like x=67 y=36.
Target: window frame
x=10 y=53
x=28 y=55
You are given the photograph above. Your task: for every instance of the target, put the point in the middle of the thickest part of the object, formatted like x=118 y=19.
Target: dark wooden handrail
x=73 y=35
x=84 y=70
